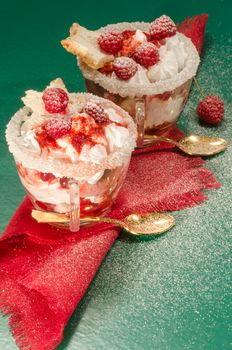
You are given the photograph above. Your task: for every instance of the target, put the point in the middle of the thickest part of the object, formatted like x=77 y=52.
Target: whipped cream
x=140 y=76
x=116 y=136
x=97 y=153
x=172 y=60
x=30 y=141
x=66 y=148
x=113 y=115
x=173 y=55
x=140 y=36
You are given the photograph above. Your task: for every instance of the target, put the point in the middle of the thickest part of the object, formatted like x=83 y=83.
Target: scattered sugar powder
x=171 y=292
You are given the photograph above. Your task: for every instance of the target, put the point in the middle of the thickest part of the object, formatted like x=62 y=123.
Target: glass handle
x=140 y=119
x=74 y=193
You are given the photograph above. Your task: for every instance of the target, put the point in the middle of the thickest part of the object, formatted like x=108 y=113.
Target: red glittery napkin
x=44 y=271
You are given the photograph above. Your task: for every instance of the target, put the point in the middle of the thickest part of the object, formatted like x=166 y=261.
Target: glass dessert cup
x=153 y=114
x=50 y=193
x=154 y=100
x=78 y=173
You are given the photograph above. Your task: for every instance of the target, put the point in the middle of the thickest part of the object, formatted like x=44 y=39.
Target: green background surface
x=168 y=293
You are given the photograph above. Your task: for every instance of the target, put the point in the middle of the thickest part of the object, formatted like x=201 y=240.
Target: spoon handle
x=43 y=217
x=161 y=138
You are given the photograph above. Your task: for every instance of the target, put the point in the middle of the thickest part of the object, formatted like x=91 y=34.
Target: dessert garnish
x=96 y=111
x=140 y=50
x=55 y=100
x=162 y=27
x=146 y=55
x=124 y=67
x=111 y=42
x=56 y=128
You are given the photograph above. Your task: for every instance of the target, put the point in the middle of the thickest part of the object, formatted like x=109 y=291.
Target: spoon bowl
x=149 y=224
x=202 y=145
x=195 y=145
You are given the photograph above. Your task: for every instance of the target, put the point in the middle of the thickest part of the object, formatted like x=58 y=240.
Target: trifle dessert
x=68 y=144
x=146 y=68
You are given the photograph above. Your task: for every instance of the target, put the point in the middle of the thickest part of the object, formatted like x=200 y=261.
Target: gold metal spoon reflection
x=150 y=224
x=195 y=145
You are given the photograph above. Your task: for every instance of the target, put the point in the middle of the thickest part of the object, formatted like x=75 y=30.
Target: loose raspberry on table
x=162 y=27
x=78 y=141
x=57 y=128
x=124 y=67
x=211 y=109
x=146 y=54
x=110 y=42
x=96 y=111
x=55 y=100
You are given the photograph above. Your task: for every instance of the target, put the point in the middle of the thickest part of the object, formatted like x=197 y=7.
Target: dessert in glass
x=71 y=150
x=145 y=68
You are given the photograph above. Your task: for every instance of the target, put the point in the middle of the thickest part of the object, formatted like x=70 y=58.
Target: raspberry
x=110 y=42
x=64 y=182
x=78 y=141
x=146 y=54
x=55 y=100
x=211 y=109
x=162 y=27
x=56 y=128
x=97 y=112
x=47 y=177
x=124 y=67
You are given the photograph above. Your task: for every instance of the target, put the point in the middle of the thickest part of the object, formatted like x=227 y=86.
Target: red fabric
x=194 y=28
x=45 y=271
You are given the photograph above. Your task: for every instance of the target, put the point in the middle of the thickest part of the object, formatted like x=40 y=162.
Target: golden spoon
x=195 y=145
x=136 y=224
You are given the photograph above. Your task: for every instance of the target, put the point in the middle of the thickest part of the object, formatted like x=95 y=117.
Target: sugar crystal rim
x=126 y=88
x=80 y=170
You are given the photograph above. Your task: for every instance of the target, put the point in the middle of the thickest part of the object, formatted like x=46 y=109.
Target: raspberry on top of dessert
x=57 y=128
x=133 y=54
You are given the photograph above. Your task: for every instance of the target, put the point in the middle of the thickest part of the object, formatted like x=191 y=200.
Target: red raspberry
x=47 y=177
x=162 y=27
x=96 y=111
x=124 y=67
x=146 y=54
x=57 y=128
x=64 y=182
x=55 y=100
x=211 y=109
x=110 y=42
x=78 y=141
